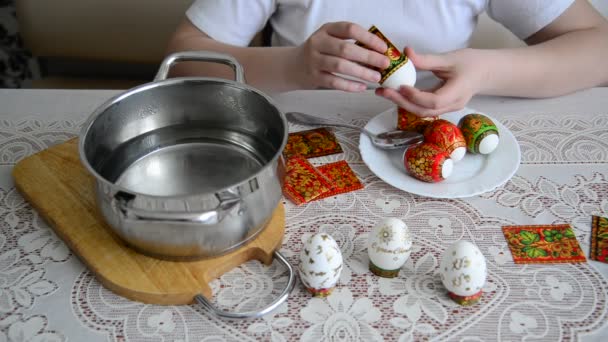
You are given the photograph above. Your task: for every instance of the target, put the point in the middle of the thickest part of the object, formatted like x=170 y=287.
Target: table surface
x=47 y=294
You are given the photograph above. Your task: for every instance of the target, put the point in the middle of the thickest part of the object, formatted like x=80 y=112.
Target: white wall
x=602 y=6
x=490 y=34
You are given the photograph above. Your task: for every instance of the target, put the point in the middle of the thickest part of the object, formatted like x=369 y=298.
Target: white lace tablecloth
x=46 y=294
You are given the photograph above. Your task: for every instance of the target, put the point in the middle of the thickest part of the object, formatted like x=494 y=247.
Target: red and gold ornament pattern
x=445 y=135
x=466 y=300
x=425 y=162
x=319 y=292
x=312 y=143
x=599 y=239
x=397 y=59
x=303 y=182
x=342 y=178
x=408 y=121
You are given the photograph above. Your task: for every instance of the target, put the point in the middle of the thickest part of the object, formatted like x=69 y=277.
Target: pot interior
x=185 y=137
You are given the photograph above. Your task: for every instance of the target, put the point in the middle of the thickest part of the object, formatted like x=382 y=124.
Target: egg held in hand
x=403 y=73
x=408 y=121
x=400 y=71
x=389 y=246
x=463 y=272
x=480 y=133
x=447 y=136
x=320 y=264
x=428 y=162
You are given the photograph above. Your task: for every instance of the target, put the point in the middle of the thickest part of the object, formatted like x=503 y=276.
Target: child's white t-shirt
x=428 y=26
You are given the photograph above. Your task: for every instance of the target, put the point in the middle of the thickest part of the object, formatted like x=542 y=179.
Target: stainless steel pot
x=187 y=168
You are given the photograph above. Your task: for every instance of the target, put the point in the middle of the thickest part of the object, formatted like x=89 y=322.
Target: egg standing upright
x=389 y=246
x=463 y=272
x=320 y=264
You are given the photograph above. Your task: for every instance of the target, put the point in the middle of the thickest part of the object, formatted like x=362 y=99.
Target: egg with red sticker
x=447 y=136
x=428 y=162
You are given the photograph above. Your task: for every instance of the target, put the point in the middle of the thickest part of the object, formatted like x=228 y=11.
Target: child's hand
x=463 y=75
x=328 y=51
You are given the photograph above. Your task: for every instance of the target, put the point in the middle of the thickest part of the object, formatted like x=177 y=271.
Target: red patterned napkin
x=312 y=143
x=543 y=244
x=303 y=183
x=599 y=239
x=342 y=178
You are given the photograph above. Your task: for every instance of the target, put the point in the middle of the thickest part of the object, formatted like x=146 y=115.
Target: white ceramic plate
x=473 y=175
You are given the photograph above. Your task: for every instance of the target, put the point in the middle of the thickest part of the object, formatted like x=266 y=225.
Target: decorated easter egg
x=463 y=272
x=480 y=133
x=389 y=246
x=401 y=74
x=428 y=162
x=320 y=264
x=400 y=71
x=447 y=136
x=408 y=121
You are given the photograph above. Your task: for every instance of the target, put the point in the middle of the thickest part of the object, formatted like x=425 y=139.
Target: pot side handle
x=228 y=202
x=200 y=56
x=255 y=314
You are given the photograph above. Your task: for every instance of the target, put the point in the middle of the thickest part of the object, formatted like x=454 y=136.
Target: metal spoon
x=386 y=140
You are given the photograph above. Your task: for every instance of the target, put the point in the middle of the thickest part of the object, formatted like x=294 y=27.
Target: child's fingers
x=417 y=106
x=344 y=66
x=444 y=96
x=399 y=100
x=347 y=50
x=348 y=30
x=428 y=61
x=331 y=81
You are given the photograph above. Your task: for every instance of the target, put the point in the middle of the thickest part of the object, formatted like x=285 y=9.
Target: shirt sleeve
x=526 y=17
x=232 y=22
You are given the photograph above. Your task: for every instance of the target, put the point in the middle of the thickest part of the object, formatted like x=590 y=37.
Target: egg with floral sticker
x=447 y=136
x=463 y=272
x=480 y=133
x=428 y=162
x=389 y=246
x=320 y=264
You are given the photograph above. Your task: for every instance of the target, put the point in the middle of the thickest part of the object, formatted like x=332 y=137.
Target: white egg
x=463 y=270
x=488 y=144
x=320 y=264
x=404 y=75
x=458 y=154
x=389 y=246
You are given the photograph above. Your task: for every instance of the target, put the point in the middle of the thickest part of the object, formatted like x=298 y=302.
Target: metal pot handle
x=228 y=202
x=200 y=56
x=255 y=314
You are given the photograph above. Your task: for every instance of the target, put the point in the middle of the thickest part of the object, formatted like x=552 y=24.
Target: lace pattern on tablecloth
x=527 y=301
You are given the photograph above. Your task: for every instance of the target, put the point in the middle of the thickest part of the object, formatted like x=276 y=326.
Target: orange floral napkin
x=312 y=143
x=599 y=239
x=342 y=178
x=303 y=182
x=543 y=244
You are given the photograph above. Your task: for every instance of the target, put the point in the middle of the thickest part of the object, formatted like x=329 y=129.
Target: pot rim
x=168 y=82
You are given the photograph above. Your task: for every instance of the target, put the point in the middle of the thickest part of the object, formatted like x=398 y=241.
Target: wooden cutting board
x=62 y=191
